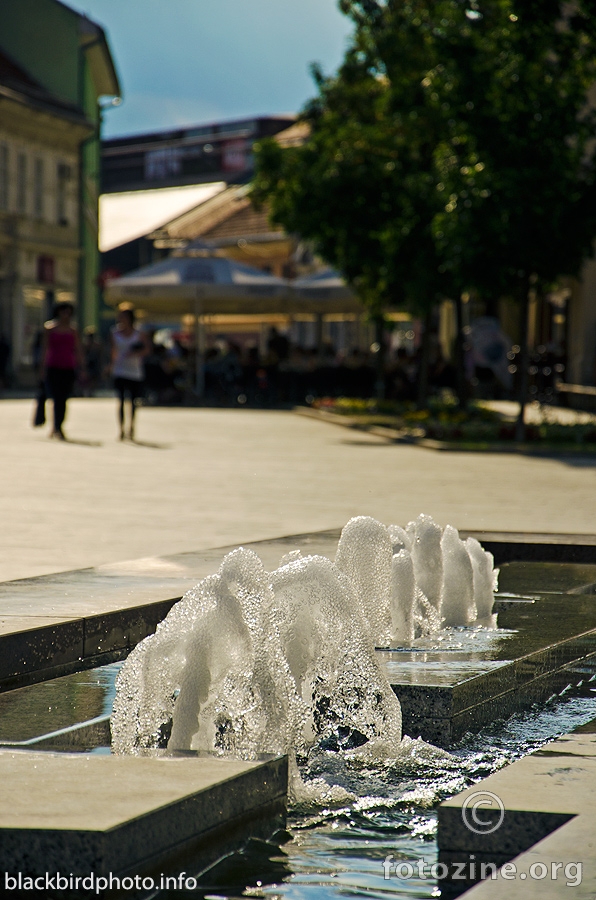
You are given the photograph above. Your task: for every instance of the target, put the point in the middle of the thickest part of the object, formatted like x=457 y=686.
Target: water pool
x=333 y=853
x=337 y=851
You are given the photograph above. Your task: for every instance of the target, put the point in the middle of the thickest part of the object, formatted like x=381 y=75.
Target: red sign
x=234 y=156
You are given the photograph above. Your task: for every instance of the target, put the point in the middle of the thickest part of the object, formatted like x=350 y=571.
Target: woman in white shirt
x=129 y=348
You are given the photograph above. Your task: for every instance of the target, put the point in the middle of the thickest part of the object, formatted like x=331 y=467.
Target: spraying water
x=253 y=662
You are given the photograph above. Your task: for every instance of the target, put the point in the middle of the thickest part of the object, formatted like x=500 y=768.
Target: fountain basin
x=548 y=802
x=535 y=652
x=546 y=628
x=538 y=649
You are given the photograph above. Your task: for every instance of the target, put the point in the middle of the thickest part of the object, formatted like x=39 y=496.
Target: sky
x=190 y=62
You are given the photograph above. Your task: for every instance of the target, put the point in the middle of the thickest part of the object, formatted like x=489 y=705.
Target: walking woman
x=129 y=348
x=60 y=358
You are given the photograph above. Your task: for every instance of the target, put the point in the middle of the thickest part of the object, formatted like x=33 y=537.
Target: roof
x=294 y=136
x=129 y=215
x=13 y=75
x=205 y=218
x=244 y=220
x=18 y=85
x=221 y=216
x=224 y=218
x=101 y=62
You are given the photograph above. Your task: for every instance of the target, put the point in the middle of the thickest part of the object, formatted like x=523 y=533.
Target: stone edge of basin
x=547 y=801
x=452 y=716
x=444 y=728
x=201 y=824
x=33 y=653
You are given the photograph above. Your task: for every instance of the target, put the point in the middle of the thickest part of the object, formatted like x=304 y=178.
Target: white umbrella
x=325 y=292
x=200 y=285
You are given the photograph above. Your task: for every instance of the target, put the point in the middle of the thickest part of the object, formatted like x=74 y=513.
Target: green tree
x=451 y=151
x=361 y=187
x=516 y=165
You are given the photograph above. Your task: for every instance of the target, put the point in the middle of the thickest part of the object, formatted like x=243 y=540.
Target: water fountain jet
x=251 y=661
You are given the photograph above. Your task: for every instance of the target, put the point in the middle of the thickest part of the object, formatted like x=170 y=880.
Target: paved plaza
x=200 y=478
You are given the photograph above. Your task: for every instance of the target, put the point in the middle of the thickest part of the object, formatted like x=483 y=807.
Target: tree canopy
x=454 y=149
x=516 y=161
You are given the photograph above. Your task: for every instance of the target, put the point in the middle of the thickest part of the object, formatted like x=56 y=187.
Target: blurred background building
x=55 y=65
x=155 y=185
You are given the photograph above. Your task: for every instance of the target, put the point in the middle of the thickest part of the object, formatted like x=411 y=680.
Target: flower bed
x=443 y=421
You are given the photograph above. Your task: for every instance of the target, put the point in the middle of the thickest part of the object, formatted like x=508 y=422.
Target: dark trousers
x=60 y=384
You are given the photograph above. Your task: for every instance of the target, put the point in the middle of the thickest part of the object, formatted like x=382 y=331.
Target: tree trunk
x=422 y=401
x=460 y=369
x=524 y=361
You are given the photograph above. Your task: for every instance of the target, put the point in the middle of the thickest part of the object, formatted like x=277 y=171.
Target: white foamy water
x=251 y=661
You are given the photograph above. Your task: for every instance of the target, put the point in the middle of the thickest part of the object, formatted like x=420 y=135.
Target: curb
x=401 y=436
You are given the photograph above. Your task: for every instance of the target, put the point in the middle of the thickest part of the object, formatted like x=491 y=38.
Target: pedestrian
x=61 y=355
x=129 y=349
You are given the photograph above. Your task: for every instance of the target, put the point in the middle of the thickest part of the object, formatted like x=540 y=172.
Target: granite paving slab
x=567 y=855
x=546 y=806
x=90 y=813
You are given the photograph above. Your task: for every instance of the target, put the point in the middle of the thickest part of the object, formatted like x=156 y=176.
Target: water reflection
x=334 y=853
x=38 y=709
x=330 y=853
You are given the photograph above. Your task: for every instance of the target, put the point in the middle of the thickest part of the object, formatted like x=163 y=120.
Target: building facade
x=54 y=66
x=207 y=153
x=217 y=156
x=202 y=154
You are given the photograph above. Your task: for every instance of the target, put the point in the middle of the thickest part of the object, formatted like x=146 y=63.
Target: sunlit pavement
x=200 y=478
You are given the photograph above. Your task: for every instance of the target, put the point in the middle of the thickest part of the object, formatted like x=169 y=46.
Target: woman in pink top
x=61 y=355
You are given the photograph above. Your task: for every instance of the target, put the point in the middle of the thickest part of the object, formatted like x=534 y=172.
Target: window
x=38 y=188
x=21 y=183
x=63 y=177
x=3 y=176
x=162 y=163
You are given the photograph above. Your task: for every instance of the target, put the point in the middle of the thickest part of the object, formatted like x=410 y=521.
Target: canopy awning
x=128 y=215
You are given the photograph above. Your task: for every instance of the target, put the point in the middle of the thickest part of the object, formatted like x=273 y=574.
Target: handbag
x=40 y=406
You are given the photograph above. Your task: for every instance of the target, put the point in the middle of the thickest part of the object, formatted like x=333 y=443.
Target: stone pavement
x=203 y=478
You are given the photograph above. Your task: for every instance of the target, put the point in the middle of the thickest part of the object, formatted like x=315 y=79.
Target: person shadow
x=152 y=445
x=82 y=443
x=79 y=442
